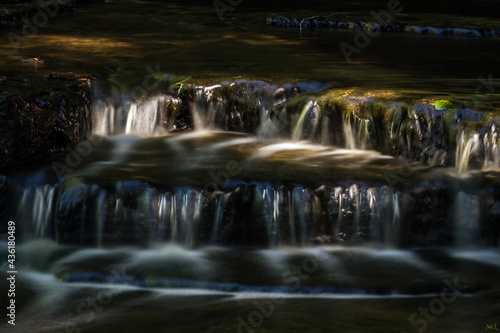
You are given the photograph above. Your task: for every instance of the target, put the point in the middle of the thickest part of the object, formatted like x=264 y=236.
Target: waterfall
x=123 y=115
x=350 y=140
x=384 y=215
x=261 y=215
x=330 y=204
x=491 y=148
x=165 y=213
x=355 y=132
x=218 y=219
x=100 y=217
x=466 y=145
x=269 y=201
x=142 y=117
x=205 y=108
x=466 y=217
x=307 y=124
x=191 y=204
x=338 y=200
x=103 y=118
x=285 y=112
x=35 y=211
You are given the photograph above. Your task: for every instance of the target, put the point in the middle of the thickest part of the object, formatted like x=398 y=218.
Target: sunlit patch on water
x=85 y=44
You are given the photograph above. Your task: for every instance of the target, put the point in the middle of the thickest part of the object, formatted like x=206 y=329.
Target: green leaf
x=442 y=104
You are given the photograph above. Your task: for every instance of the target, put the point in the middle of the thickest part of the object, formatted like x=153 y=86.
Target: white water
x=466 y=217
x=466 y=145
x=307 y=123
x=205 y=109
x=355 y=133
x=127 y=117
x=35 y=210
x=142 y=117
x=122 y=115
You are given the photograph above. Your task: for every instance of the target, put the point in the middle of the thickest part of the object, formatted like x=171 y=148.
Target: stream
x=245 y=178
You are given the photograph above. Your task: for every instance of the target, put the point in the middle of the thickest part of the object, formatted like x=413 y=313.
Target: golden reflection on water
x=95 y=45
x=264 y=39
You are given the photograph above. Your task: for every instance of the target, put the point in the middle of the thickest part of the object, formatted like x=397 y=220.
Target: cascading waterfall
x=465 y=146
x=295 y=216
x=205 y=110
x=269 y=216
x=339 y=197
x=492 y=148
x=178 y=210
x=103 y=118
x=37 y=221
x=274 y=112
x=166 y=218
x=100 y=217
x=298 y=214
x=306 y=125
x=142 y=117
x=218 y=219
x=466 y=217
x=126 y=116
x=147 y=201
x=191 y=209
x=355 y=132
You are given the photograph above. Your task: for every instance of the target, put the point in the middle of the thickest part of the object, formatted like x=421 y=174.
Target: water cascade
x=201 y=167
x=286 y=180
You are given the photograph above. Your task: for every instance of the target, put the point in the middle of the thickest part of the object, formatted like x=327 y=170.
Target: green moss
x=491 y=328
x=442 y=104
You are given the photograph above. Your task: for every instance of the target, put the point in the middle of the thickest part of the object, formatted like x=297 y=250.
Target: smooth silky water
x=274 y=231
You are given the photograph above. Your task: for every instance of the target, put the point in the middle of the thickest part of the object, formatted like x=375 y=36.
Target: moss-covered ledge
x=42 y=117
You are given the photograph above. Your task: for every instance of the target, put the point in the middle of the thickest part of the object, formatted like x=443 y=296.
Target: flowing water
x=277 y=189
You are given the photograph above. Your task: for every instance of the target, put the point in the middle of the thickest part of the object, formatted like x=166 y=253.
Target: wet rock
x=317 y=22
x=70 y=76
x=39 y=118
x=96 y=215
x=175 y=112
x=428 y=215
x=489 y=209
x=7 y=208
x=232 y=107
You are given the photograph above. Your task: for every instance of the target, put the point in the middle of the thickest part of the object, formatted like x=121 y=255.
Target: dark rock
x=323 y=22
x=428 y=215
x=7 y=209
x=39 y=118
